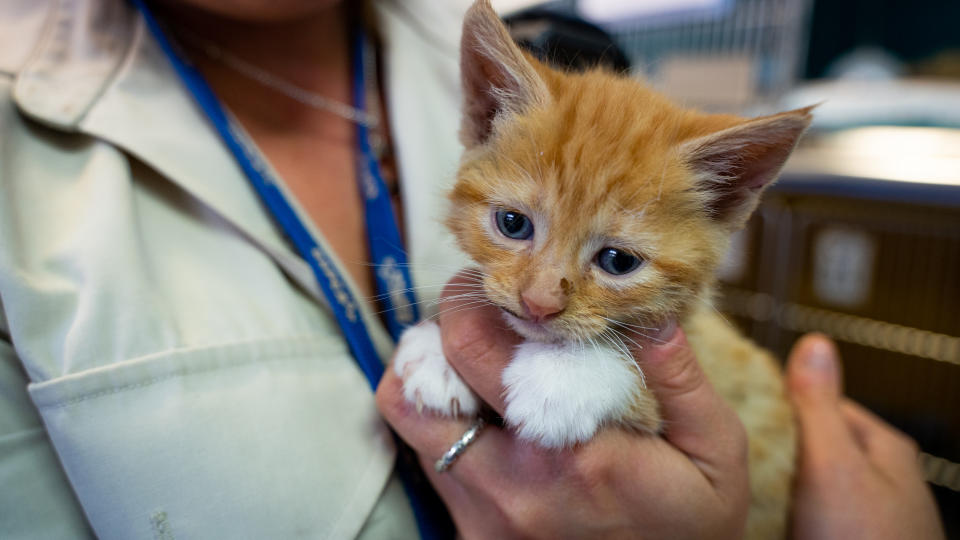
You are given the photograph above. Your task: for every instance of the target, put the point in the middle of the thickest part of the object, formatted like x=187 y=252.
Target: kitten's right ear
x=497 y=79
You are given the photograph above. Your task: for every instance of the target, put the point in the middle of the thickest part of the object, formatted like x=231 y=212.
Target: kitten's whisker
x=421 y=303
x=464 y=292
x=714 y=308
x=438 y=301
x=421 y=288
x=644 y=335
x=469 y=270
x=593 y=342
x=627 y=325
x=622 y=335
x=477 y=295
x=636 y=329
x=462 y=307
x=450 y=312
x=616 y=336
x=435 y=301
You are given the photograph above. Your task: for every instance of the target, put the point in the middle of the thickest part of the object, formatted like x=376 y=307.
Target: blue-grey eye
x=617 y=262
x=514 y=224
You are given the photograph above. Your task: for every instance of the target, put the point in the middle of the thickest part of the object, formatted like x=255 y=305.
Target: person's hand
x=858 y=476
x=690 y=483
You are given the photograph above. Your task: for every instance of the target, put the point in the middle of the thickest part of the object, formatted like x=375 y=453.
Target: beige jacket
x=168 y=368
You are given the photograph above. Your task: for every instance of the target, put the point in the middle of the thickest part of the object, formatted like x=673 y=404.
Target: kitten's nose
x=542 y=305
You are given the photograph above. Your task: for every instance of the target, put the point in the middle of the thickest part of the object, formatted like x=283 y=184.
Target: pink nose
x=541 y=307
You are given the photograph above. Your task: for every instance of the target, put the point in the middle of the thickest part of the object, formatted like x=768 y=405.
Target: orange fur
x=599 y=160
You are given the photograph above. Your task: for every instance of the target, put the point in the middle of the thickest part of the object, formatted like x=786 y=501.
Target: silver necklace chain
x=302 y=95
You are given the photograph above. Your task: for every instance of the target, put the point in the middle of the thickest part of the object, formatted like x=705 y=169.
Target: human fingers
x=429 y=434
x=813 y=379
x=813 y=372
x=894 y=457
x=476 y=340
x=887 y=447
x=697 y=420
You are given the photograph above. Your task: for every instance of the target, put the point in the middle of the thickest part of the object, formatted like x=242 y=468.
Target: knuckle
x=908 y=445
x=526 y=518
x=683 y=374
x=590 y=470
x=834 y=471
x=463 y=345
x=389 y=399
x=740 y=445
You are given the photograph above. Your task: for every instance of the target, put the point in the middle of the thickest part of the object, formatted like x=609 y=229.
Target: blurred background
x=860 y=238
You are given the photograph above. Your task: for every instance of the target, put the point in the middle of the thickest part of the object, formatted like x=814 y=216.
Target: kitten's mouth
x=534 y=331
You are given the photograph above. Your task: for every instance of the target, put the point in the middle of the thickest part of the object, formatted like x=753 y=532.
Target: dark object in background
x=564 y=41
x=915 y=31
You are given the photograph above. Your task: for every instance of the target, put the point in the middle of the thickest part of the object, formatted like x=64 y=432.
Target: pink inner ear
x=479 y=76
x=736 y=164
x=761 y=170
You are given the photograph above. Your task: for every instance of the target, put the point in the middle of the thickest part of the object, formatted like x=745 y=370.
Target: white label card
x=843 y=266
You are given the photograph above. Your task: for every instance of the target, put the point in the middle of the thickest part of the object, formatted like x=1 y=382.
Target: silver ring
x=446 y=461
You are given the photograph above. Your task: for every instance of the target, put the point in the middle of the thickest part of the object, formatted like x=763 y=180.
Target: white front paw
x=560 y=394
x=428 y=380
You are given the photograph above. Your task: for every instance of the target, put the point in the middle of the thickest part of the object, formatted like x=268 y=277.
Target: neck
x=311 y=51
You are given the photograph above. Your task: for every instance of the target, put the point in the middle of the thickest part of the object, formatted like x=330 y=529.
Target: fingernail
x=820 y=357
x=667 y=330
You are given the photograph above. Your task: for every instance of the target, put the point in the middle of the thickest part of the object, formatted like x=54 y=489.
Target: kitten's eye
x=514 y=224
x=617 y=262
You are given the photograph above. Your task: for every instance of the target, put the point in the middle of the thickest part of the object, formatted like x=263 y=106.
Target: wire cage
x=724 y=55
x=881 y=276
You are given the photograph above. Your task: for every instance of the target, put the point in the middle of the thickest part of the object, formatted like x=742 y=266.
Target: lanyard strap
x=383 y=235
x=388 y=255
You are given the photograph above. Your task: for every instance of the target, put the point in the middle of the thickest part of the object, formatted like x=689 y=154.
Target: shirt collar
x=81 y=47
x=95 y=69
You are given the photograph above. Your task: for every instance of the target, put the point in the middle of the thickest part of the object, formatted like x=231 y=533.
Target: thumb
x=696 y=419
x=813 y=373
x=814 y=382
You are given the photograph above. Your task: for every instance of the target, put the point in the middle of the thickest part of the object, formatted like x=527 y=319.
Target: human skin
x=858 y=477
x=690 y=483
x=304 y=42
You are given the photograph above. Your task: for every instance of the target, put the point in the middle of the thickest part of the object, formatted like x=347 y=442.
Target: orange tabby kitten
x=594 y=205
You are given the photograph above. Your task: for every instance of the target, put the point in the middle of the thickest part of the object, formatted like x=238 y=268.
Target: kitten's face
x=591 y=202
x=579 y=218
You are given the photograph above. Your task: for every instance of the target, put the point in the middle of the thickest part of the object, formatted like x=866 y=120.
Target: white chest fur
x=556 y=394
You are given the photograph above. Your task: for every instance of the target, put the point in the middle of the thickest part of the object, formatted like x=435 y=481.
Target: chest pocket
x=265 y=439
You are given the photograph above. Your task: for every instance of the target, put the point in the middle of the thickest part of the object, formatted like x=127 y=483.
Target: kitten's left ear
x=733 y=166
x=497 y=78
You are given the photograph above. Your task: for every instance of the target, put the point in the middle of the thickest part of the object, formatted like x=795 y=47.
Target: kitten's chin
x=530 y=330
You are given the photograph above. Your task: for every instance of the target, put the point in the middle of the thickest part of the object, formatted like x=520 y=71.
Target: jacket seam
x=354 y=498
x=185 y=372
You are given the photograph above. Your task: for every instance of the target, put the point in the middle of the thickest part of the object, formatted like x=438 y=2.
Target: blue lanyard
x=392 y=275
x=383 y=236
